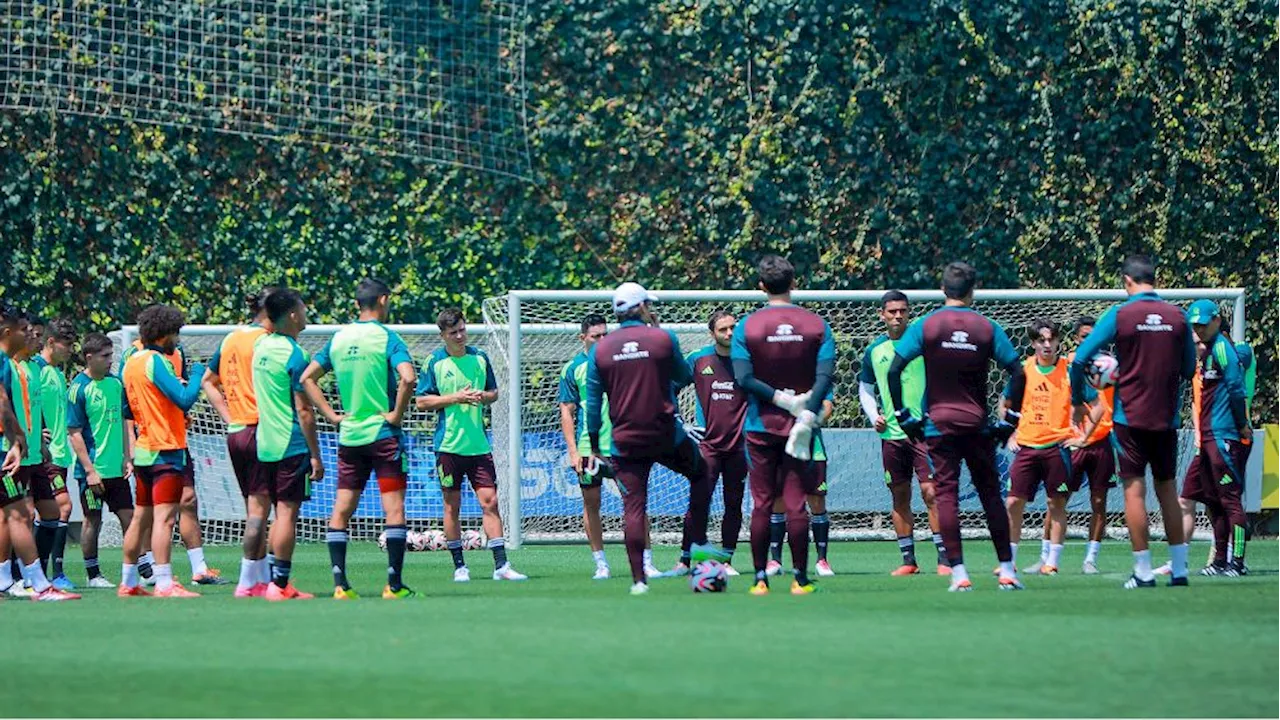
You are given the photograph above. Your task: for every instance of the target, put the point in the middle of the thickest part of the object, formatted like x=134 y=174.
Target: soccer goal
x=533 y=333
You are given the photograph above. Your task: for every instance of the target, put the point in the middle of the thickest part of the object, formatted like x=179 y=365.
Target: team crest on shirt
x=784 y=333
x=1154 y=323
x=959 y=341
x=630 y=351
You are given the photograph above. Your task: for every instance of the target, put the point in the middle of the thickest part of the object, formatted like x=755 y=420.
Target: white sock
x=1044 y=550
x=1091 y=555
x=262 y=568
x=599 y=557
x=1013 y=552
x=1008 y=570
x=6 y=574
x=129 y=575
x=958 y=573
x=1178 y=560
x=1055 y=554
x=196 y=556
x=248 y=573
x=164 y=576
x=1142 y=565
x=34 y=575
x=648 y=556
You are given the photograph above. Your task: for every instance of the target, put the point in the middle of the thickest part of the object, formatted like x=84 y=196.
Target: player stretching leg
x=458 y=383
x=375 y=383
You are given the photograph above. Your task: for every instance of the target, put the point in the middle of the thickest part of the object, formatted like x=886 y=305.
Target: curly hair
x=159 y=321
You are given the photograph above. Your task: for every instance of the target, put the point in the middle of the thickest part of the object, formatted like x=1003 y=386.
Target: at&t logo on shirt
x=1154 y=323
x=722 y=390
x=959 y=341
x=630 y=351
x=784 y=333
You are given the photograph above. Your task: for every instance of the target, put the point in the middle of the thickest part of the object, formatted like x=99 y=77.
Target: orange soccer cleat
x=905 y=570
x=135 y=591
x=944 y=570
x=176 y=591
x=275 y=593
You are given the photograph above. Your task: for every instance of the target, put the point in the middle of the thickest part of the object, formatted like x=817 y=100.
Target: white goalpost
x=530 y=335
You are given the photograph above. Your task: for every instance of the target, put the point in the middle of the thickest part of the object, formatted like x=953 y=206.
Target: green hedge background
x=674 y=141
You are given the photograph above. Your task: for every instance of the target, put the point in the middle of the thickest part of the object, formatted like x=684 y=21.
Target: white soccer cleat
x=101 y=582
x=773 y=568
x=824 y=569
x=461 y=574
x=651 y=571
x=1090 y=568
x=506 y=572
x=19 y=590
x=1165 y=569
x=728 y=570
x=639 y=588
x=1034 y=569
x=602 y=572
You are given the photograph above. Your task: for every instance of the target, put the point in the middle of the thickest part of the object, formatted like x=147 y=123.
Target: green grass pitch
x=563 y=645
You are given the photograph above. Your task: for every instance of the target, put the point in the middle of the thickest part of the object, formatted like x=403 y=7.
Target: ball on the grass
x=472 y=540
x=416 y=541
x=435 y=539
x=1103 y=371
x=382 y=539
x=708 y=576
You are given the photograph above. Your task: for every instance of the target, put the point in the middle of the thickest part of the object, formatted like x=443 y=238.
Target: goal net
x=438 y=80
x=536 y=333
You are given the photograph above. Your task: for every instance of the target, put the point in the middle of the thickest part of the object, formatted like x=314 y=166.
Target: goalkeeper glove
x=911 y=426
x=789 y=401
x=800 y=439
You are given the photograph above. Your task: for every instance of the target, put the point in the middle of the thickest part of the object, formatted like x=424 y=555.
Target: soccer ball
x=708 y=576
x=382 y=540
x=1103 y=371
x=417 y=541
x=472 y=540
x=434 y=540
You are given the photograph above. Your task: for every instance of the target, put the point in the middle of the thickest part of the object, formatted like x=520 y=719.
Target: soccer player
x=1157 y=351
x=287 y=446
x=228 y=384
x=16 y=417
x=783 y=357
x=958 y=345
x=573 y=388
x=901 y=456
x=1218 y=477
x=375 y=382
x=158 y=402
x=96 y=413
x=1044 y=440
x=50 y=486
x=720 y=410
x=638 y=367
x=816 y=500
x=457 y=383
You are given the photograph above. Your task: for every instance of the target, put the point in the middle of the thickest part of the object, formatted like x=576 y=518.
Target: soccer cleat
x=760 y=588
x=1090 y=568
x=905 y=570
x=680 y=570
x=824 y=569
x=728 y=570
x=340 y=593
x=1135 y=582
x=650 y=571
x=960 y=586
x=639 y=588
x=1010 y=583
x=135 y=591
x=1165 y=569
x=773 y=568
x=176 y=591
x=100 y=582
x=211 y=576
x=1213 y=569
x=401 y=594
x=63 y=583
x=18 y=590
x=461 y=574
x=699 y=553
x=148 y=581
x=253 y=591
x=53 y=594
x=275 y=593
x=602 y=572
x=944 y=570
x=1237 y=568
x=1048 y=570
x=506 y=572
x=1179 y=581
x=995 y=571
x=1037 y=569
x=805 y=589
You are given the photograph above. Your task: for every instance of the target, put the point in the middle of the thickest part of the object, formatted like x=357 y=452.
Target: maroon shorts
x=632 y=472
x=159 y=484
x=13 y=488
x=1136 y=449
x=1217 y=471
x=48 y=481
x=1098 y=463
x=1049 y=466
x=384 y=458
x=115 y=494
x=820 y=473
x=902 y=458
x=771 y=469
x=242 y=448
x=477 y=469
x=289 y=480
x=976 y=450
x=731 y=467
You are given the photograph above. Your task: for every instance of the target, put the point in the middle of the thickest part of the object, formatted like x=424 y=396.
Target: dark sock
x=337 y=541
x=144 y=568
x=91 y=567
x=15 y=565
x=685 y=557
x=280 y=572
x=45 y=530
x=396 y=535
x=820 y=525
x=499 y=548
x=455 y=549
x=907 y=546
x=802 y=577
x=942 y=551
x=777 y=530
x=59 y=547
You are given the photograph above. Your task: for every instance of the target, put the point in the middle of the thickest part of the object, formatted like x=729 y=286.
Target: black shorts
x=48 y=482
x=116 y=495
x=13 y=488
x=477 y=469
x=1136 y=449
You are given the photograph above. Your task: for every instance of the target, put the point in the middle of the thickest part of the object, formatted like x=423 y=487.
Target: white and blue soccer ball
x=708 y=576
x=1103 y=371
x=472 y=540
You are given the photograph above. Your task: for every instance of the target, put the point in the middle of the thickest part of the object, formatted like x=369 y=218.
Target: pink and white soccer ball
x=1103 y=371
x=417 y=541
x=435 y=540
x=708 y=576
x=472 y=540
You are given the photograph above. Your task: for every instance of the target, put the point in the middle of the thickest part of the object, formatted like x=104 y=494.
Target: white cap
x=629 y=295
